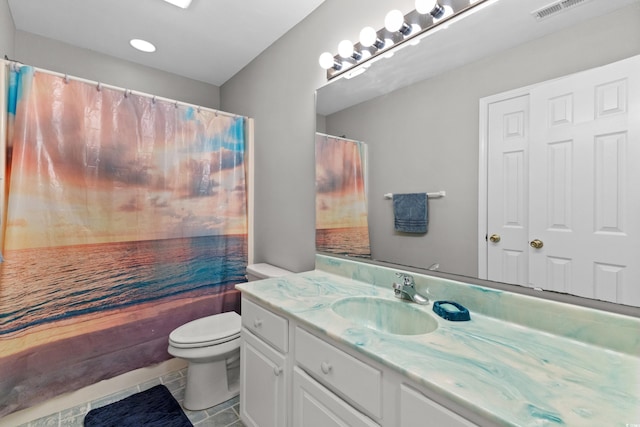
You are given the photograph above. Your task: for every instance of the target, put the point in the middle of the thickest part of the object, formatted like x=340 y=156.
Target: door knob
x=495 y=238
x=537 y=244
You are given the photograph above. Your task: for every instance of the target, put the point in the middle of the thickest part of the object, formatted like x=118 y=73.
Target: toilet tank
x=264 y=271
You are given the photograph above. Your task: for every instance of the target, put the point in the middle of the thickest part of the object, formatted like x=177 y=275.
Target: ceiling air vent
x=556 y=7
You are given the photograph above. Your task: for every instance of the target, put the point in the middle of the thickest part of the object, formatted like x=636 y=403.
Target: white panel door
x=584 y=173
x=507 y=195
x=562 y=186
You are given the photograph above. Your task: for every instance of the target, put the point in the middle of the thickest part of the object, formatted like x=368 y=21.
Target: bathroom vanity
x=333 y=347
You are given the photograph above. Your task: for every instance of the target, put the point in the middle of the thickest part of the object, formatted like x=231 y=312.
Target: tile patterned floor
x=224 y=415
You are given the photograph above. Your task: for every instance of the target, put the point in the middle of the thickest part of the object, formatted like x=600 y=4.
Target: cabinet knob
x=326 y=367
x=257 y=323
x=277 y=370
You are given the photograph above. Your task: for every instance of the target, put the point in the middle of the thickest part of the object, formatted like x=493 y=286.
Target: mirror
x=418 y=112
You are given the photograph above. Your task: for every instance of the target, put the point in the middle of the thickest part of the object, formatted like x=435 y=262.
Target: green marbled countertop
x=508 y=373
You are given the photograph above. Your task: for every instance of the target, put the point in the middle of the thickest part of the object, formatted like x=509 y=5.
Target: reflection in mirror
x=423 y=130
x=341 y=196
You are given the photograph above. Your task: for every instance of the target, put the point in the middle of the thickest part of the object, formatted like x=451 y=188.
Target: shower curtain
x=341 y=196
x=124 y=217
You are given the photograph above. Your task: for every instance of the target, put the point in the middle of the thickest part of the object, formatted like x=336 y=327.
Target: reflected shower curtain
x=341 y=197
x=126 y=217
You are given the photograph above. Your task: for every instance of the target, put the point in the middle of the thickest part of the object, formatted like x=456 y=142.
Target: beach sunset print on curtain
x=341 y=202
x=126 y=217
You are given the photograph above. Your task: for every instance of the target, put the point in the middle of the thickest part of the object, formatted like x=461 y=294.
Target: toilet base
x=207 y=385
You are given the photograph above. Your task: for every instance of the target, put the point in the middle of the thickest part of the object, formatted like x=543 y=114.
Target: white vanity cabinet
x=263 y=367
x=293 y=377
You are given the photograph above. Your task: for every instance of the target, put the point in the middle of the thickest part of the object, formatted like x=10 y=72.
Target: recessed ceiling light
x=180 y=3
x=142 y=45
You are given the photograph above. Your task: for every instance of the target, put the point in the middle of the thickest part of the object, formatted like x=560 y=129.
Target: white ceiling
x=210 y=41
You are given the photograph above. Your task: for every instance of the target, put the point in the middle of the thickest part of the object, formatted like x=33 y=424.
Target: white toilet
x=211 y=346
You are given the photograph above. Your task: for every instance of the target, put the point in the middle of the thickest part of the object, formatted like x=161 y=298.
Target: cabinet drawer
x=265 y=324
x=416 y=407
x=352 y=379
x=314 y=405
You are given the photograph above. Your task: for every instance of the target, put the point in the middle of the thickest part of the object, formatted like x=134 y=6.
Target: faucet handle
x=398 y=289
x=407 y=279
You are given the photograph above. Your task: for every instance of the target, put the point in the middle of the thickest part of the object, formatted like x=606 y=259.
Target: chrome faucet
x=407 y=289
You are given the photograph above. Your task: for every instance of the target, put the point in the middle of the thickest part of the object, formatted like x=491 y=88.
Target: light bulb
x=394 y=20
x=345 y=49
x=425 y=6
x=368 y=36
x=326 y=60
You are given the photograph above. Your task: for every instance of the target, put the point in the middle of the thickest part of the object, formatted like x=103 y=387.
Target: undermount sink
x=393 y=317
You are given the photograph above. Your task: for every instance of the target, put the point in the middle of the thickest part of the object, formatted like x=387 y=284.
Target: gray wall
x=425 y=137
x=277 y=89
x=52 y=55
x=7 y=30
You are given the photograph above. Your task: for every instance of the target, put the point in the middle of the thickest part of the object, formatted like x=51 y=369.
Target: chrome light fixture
x=398 y=29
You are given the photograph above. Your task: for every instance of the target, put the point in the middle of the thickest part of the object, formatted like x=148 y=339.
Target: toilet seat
x=207 y=331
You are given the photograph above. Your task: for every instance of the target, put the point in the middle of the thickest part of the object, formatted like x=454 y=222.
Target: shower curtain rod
x=338 y=137
x=126 y=92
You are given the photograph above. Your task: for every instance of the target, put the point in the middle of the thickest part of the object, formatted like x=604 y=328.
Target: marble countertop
x=507 y=373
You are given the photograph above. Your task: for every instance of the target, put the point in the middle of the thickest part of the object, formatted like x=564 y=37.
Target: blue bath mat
x=154 y=407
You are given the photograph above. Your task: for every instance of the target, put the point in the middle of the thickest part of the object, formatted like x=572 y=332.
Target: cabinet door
x=262 y=384
x=316 y=406
x=416 y=410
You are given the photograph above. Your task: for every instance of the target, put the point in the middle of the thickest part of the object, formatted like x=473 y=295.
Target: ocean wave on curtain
x=126 y=217
x=342 y=222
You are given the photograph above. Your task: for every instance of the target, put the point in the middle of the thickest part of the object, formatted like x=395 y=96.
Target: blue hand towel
x=410 y=212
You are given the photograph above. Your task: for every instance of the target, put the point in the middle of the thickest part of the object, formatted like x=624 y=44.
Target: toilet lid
x=209 y=330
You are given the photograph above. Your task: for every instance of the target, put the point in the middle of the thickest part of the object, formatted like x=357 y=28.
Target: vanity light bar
x=398 y=30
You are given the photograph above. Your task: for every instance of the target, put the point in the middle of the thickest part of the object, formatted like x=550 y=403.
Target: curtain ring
x=66 y=78
x=153 y=100
x=127 y=92
x=199 y=109
x=176 y=104
x=99 y=87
